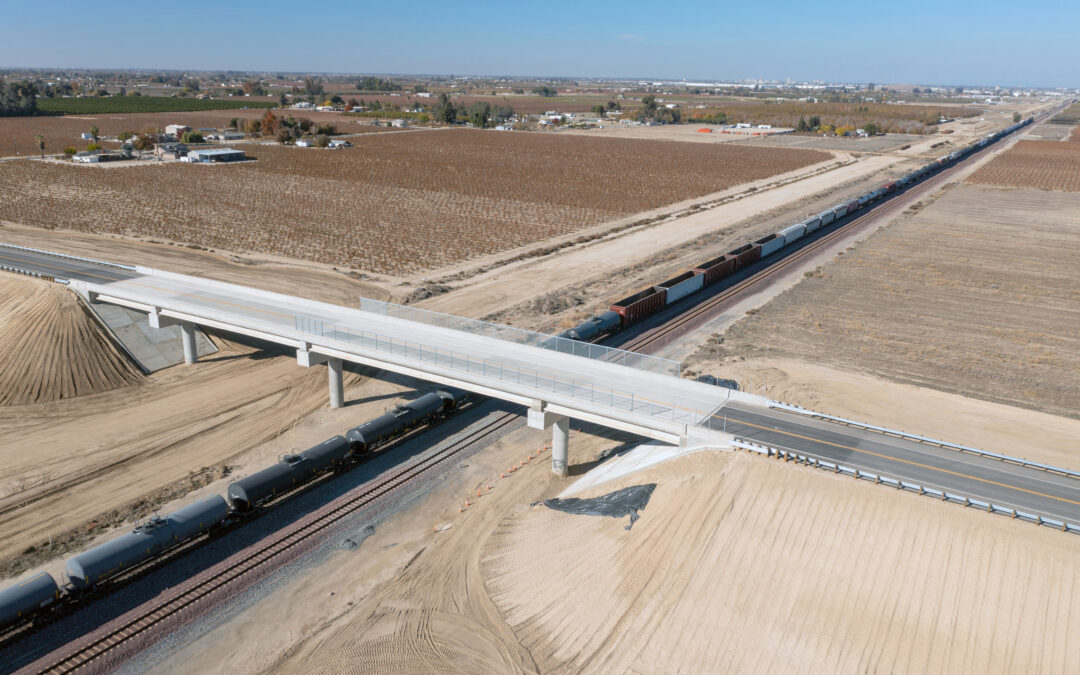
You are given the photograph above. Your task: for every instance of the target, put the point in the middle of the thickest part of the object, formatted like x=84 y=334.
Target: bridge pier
x=539 y=418
x=337 y=388
x=187 y=336
x=307 y=359
x=560 y=446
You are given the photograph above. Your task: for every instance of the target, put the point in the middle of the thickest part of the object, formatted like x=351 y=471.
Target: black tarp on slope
x=627 y=501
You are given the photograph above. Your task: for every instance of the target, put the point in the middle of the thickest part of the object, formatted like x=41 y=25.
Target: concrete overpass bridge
x=556 y=378
x=559 y=379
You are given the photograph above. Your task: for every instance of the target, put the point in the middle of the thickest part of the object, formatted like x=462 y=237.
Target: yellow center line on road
x=908 y=461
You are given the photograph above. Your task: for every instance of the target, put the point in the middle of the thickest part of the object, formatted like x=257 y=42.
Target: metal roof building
x=216 y=155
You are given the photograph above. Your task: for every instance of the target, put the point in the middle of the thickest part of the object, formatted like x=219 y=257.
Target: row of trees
x=479 y=114
x=17 y=98
x=651 y=111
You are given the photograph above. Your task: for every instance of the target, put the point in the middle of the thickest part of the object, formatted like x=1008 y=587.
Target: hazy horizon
x=921 y=43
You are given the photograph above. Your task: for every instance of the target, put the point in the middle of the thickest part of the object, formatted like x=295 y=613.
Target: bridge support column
x=560 y=446
x=337 y=388
x=187 y=336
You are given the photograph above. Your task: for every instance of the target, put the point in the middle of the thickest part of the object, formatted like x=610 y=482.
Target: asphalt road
x=1032 y=490
x=63 y=267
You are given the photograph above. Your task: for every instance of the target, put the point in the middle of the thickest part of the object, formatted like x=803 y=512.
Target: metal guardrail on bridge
x=540 y=380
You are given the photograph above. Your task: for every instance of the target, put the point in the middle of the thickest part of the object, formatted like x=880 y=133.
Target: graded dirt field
x=73 y=469
x=1043 y=165
x=976 y=294
x=19 y=133
x=396 y=203
x=51 y=348
x=737 y=564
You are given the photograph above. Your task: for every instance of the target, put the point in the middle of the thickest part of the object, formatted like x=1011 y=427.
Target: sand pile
x=51 y=348
x=739 y=564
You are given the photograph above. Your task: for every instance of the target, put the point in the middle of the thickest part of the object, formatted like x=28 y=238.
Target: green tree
x=479 y=113
x=69 y=151
x=1016 y=117
x=322 y=141
x=870 y=128
x=124 y=135
x=41 y=144
x=283 y=100
x=814 y=122
x=599 y=110
x=191 y=137
x=802 y=124
x=284 y=135
x=326 y=130
x=94 y=133
x=91 y=147
x=18 y=98
x=444 y=110
x=544 y=90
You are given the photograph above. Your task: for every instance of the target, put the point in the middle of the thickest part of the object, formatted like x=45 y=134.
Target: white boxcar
x=812 y=224
x=772 y=245
x=793 y=233
x=682 y=286
x=827 y=217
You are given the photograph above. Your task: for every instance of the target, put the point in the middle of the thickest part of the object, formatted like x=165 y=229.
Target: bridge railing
x=539 y=380
x=524 y=337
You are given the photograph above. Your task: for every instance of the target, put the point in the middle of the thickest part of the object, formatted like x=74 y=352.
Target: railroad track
x=228 y=575
x=691 y=317
x=124 y=631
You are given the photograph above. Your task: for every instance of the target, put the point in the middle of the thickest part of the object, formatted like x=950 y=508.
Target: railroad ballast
x=151 y=539
x=651 y=300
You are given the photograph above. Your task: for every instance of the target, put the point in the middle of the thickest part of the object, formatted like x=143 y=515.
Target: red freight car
x=889 y=187
x=747 y=254
x=640 y=305
x=716 y=269
x=853 y=206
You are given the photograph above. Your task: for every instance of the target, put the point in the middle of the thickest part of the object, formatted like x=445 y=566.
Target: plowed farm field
x=1043 y=165
x=395 y=203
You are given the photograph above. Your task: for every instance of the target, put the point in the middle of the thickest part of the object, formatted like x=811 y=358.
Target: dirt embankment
x=51 y=348
x=737 y=564
x=743 y=565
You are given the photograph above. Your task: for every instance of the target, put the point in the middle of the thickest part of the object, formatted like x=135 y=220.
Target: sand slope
x=740 y=564
x=51 y=348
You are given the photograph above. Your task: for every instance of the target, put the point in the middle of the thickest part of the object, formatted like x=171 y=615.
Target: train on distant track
x=655 y=298
x=90 y=570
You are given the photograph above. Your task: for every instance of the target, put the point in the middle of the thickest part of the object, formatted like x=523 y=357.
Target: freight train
x=88 y=571
x=654 y=298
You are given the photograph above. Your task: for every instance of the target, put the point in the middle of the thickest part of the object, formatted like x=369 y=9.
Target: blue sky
x=965 y=42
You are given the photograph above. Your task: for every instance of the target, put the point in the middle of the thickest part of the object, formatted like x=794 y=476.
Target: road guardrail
x=54 y=254
x=861 y=473
x=923 y=439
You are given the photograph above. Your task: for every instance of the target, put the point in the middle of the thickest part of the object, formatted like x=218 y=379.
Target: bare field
x=885 y=143
x=975 y=294
x=51 y=348
x=395 y=204
x=1043 y=165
